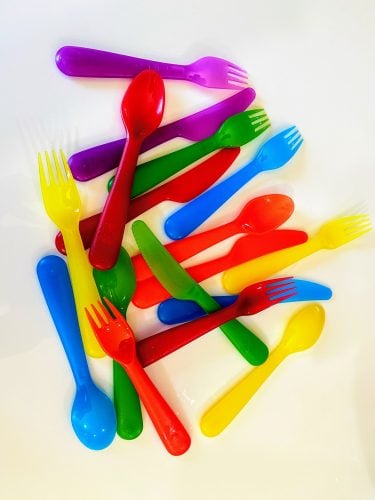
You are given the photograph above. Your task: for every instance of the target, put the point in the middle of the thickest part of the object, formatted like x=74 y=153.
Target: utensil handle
x=107 y=241
x=155 y=347
x=188 y=218
x=171 y=431
x=90 y=163
x=237 y=278
x=243 y=339
x=54 y=280
x=82 y=61
x=149 y=292
x=221 y=413
x=173 y=311
x=127 y=404
x=84 y=288
x=153 y=172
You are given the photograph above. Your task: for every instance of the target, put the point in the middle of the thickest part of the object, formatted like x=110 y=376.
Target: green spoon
x=118 y=285
x=236 y=131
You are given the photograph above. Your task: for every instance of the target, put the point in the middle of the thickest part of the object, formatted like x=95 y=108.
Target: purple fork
x=90 y=163
x=209 y=71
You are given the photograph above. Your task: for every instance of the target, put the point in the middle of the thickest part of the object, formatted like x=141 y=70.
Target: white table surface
x=310 y=432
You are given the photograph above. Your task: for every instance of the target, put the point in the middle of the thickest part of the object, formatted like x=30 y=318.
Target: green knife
x=181 y=285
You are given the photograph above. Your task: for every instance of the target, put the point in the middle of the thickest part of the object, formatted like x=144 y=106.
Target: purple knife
x=90 y=163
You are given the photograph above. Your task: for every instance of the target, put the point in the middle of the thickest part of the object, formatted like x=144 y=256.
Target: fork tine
x=115 y=312
x=283 y=294
x=284 y=297
x=279 y=284
x=67 y=170
x=92 y=322
x=104 y=311
x=237 y=77
x=293 y=137
x=42 y=174
x=232 y=85
x=258 y=118
x=289 y=131
x=356 y=234
x=263 y=127
x=52 y=178
x=358 y=227
x=60 y=176
x=297 y=144
x=98 y=316
x=234 y=67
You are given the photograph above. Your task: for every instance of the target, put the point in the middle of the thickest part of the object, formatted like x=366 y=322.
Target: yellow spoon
x=302 y=331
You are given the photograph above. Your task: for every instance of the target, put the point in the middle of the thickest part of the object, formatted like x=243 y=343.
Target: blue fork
x=273 y=154
x=174 y=311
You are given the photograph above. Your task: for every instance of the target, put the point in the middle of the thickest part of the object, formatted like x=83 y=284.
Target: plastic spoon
x=150 y=291
x=302 y=331
x=181 y=189
x=142 y=110
x=174 y=311
x=118 y=285
x=92 y=162
x=234 y=132
x=92 y=415
x=259 y=215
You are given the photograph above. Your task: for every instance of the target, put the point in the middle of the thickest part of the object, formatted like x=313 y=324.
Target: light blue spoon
x=174 y=311
x=274 y=153
x=93 y=415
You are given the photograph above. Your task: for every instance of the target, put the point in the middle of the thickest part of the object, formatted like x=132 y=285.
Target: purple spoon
x=90 y=163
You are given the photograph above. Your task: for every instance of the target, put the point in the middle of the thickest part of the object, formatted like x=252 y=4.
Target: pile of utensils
x=88 y=292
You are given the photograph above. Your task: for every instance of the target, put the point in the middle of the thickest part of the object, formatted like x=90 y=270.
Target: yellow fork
x=63 y=205
x=332 y=234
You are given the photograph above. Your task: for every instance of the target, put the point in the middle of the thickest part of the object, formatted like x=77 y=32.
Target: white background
x=310 y=432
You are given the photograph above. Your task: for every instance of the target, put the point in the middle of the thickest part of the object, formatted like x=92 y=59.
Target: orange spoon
x=259 y=215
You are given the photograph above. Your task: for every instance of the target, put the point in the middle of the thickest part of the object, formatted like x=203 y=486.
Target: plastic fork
x=117 y=339
x=331 y=235
x=254 y=299
x=212 y=72
x=174 y=311
x=63 y=205
x=236 y=131
x=95 y=161
x=273 y=154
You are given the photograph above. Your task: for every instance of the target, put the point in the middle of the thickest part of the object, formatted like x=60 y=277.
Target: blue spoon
x=274 y=153
x=174 y=311
x=93 y=415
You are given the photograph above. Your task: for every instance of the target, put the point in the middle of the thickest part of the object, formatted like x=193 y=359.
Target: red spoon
x=150 y=291
x=183 y=188
x=142 y=110
x=259 y=215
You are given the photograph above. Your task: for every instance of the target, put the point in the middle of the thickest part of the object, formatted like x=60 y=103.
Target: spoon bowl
x=143 y=104
x=93 y=417
x=265 y=213
x=118 y=283
x=304 y=328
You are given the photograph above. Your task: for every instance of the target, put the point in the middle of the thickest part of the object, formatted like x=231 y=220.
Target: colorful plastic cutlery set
x=88 y=297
